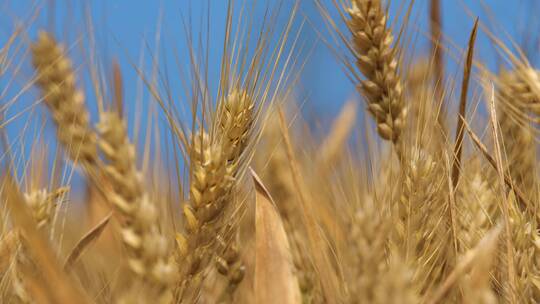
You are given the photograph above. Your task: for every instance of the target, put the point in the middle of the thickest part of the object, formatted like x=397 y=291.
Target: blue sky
x=122 y=25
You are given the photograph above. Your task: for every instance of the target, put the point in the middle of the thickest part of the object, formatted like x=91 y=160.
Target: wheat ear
x=147 y=249
x=215 y=169
x=477 y=208
x=56 y=79
x=236 y=120
x=41 y=204
x=523 y=85
x=515 y=97
x=421 y=231
x=376 y=60
x=370 y=282
x=526 y=252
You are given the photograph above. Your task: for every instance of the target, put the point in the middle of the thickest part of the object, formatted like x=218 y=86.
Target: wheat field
x=422 y=189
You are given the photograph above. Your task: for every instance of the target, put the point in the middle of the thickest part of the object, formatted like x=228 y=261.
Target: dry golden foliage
x=274 y=270
x=343 y=220
x=86 y=241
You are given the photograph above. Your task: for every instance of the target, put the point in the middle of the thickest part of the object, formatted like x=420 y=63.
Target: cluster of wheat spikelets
x=266 y=212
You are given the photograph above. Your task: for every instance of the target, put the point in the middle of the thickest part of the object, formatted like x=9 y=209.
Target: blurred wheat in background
x=214 y=178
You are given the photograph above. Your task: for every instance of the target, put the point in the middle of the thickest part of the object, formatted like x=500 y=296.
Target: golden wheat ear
x=373 y=278
x=216 y=167
x=423 y=235
x=53 y=283
x=517 y=98
x=56 y=79
x=476 y=205
x=376 y=60
x=148 y=256
x=40 y=204
x=57 y=82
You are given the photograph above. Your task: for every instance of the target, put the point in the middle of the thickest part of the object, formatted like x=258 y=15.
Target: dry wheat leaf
x=274 y=278
x=85 y=242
